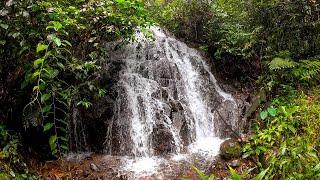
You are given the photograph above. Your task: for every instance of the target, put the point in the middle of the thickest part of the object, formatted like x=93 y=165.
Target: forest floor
x=97 y=166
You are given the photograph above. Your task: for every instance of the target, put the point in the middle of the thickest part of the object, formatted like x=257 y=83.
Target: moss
x=231 y=148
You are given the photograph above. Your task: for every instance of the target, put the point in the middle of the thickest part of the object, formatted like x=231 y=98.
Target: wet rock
x=123 y=177
x=176 y=106
x=156 y=94
x=186 y=133
x=226 y=119
x=94 y=167
x=163 y=141
x=230 y=148
x=165 y=94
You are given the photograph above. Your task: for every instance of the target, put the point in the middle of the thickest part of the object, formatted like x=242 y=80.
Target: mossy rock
x=230 y=149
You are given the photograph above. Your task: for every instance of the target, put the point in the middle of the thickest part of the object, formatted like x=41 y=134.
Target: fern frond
x=280 y=63
x=284 y=54
x=310 y=69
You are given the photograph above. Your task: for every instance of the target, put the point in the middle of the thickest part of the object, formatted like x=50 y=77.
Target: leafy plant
x=270 y=111
x=179 y=17
x=202 y=175
x=236 y=176
x=57 y=46
x=286 y=70
x=11 y=162
x=229 y=31
x=286 y=25
x=286 y=149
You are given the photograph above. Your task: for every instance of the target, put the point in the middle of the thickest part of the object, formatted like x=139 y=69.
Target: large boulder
x=162 y=141
x=230 y=149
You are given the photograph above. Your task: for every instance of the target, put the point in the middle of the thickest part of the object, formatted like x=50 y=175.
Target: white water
x=168 y=106
x=142 y=165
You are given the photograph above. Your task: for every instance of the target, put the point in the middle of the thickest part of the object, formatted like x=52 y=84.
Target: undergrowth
x=12 y=165
x=288 y=146
x=58 y=46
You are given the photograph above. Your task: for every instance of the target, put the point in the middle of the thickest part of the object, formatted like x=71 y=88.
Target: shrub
x=186 y=19
x=292 y=25
x=56 y=46
x=11 y=162
x=288 y=148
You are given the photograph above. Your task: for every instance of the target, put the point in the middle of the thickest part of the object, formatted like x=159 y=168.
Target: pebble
x=235 y=163
x=94 y=167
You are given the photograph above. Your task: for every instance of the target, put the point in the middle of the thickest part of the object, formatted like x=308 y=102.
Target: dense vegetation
x=50 y=62
x=50 y=52
x=274 y=45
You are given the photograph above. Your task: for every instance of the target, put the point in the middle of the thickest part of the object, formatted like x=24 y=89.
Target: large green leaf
x=234 y=174
x=45 y=97
x=272 y=111
x=279 y=63
x=37 y=62
x=4 y=26
x=53 y=142
x=57 y=41
x=36 y=74
x=55 y=25
x=263 y=115
x=54 y=39
x=200 y=173
x=47 y=126
x=46 y=109
x=41 y=47
x=261 y=175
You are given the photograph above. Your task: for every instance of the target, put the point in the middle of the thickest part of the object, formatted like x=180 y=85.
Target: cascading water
x=167 y=101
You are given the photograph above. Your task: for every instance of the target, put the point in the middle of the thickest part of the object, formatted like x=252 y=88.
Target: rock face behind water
x=163 y=99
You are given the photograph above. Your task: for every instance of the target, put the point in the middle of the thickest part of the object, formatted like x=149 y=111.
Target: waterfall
x=168 y=101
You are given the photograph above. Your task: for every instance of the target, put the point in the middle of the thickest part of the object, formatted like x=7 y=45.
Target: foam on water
x=179 y=157
x=142 y=166
x=206 y=146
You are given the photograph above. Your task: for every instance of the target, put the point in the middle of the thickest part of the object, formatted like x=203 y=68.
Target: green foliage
x=185 y=19
x=308 y=70
x=220 y=27
x=236 y=176
x=279 y=63
x=246 y=34
x=58 y=46
x=279 y=41
x=285 y=70
x=291 y=25
x=220 y=24
x=11 y=162
x=228 y=30
x=288 y=148
x=202 y=175
x=270 y=111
